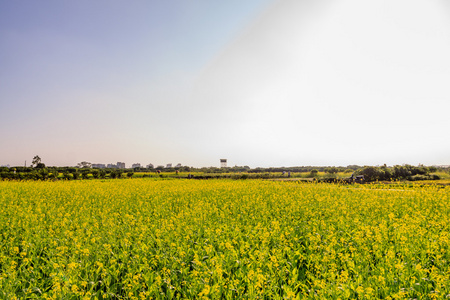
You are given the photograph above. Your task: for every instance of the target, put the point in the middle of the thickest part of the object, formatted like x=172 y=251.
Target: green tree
x=44 y=173
x=332 y=170
x=36 y=162
x=371 y=173
x=95 y=173
x=313 y=173
x=75 y=174
x=84 y=164
x=85 y=175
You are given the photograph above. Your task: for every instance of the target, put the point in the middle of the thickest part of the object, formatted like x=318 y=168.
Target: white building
x=150 y=166
x=169 y=166
x=136 y=165
x=99 y=166
x=120 y=165
x=223 y=163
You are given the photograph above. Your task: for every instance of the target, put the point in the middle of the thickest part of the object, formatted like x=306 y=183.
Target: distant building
x=99 y=166
x=136 y=165
x=223 y=163
x=442 y=166
x=120 y=165
x=111 y=166
x=150 y=166
x=169 y=166
x=178 y=166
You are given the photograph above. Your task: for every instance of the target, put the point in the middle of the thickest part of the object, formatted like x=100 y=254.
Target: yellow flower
x=72 y=265
x=205 y=291
x=360 y=290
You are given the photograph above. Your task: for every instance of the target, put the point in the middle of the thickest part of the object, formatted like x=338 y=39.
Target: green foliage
x=36 y=160
x=85 y=174
x=371 y=173
x=314 y=173
x=115 y=174
x=95 y=173
x=406 y=172
x=332 y=170
x=84 y=164
x=75 y=174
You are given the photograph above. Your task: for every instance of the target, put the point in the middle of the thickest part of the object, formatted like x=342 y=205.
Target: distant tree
x=332 y=170
x=67 y=175
x=115 y=174
x=54 y=174
x=353 y=167
x=371 y=173
x=44 y=173
x=401 y=172
x=96 y=173
x=185 y=169
x=75 y=175
x=384 y=173
x=313 y=173
x=84 y=164
x=36 y=162
x=130 y=174
x=85 y=174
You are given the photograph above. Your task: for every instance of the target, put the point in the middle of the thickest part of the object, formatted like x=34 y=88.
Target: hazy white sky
x=259 y=82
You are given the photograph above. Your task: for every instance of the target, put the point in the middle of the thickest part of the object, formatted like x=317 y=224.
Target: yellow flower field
x=229 y=239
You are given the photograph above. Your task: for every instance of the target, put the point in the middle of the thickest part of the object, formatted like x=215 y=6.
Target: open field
x=163 y=238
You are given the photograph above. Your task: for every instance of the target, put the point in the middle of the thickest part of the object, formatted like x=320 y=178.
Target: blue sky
x=262 y=83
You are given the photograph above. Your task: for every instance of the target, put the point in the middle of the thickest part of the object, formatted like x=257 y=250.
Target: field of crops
x=229 y=239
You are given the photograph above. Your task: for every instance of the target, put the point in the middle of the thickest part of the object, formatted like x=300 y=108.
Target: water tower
x=223 y=163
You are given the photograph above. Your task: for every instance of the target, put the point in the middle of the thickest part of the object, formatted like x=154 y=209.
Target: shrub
x=95 y=173
x=418 y=177
x=435 y=177
x=313 y=173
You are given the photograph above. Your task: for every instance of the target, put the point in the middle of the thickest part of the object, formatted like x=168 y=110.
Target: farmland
x=175 y=238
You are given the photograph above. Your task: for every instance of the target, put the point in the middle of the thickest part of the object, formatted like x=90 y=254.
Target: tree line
x=39 y=171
